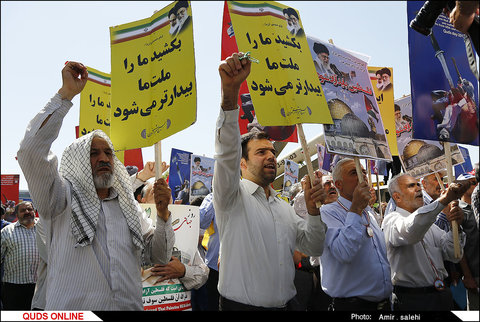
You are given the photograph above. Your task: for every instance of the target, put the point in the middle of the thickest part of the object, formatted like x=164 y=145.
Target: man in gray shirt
x=96 y=233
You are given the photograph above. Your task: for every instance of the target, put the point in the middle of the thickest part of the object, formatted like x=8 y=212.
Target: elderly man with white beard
x=417 y=248
x=97 y=235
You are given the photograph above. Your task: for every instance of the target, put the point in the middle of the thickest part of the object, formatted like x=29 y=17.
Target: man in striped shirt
x=20 y=259
x=97 y=235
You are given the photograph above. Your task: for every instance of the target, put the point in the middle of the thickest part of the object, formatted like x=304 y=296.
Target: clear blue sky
x=38 y=37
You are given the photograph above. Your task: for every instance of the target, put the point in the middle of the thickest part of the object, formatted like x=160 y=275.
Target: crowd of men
x=327 y=249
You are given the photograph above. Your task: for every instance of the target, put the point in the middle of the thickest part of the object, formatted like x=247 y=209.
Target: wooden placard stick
x=358 y=166
x=158 y=160
x=448 y=156
x=306 y=155
x=379 y=196
x=440 y=181
x=369 y=172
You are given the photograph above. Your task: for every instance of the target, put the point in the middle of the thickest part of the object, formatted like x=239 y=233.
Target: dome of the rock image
x=338 y=108
x=353 y=126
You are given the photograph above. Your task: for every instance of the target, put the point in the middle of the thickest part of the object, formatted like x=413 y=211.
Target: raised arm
x=233 y=73
x=38 y=163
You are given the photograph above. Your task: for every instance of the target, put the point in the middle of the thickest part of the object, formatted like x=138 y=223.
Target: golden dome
x=412 y=148
x=198 y=185
x=338 y=108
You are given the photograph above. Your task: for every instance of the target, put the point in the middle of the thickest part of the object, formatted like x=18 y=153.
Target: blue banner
x=179 y=176
x=444 y=89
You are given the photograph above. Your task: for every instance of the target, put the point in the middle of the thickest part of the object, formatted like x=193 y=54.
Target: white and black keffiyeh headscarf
x=76 y=168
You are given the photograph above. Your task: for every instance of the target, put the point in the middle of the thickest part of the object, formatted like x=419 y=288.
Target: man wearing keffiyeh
x=97 y=234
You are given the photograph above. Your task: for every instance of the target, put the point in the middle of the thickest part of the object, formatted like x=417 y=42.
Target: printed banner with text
x=358 y=128
x=95 y=110
x=153 y=77
x=95 y=103
x=171 y=294
x=247 y=120
x=283 y=86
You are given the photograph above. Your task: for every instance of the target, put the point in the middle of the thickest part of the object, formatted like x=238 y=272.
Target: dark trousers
x=229 y=305
x=212 y=290
x=422 y=299
x=358 y=304
x=17 y=297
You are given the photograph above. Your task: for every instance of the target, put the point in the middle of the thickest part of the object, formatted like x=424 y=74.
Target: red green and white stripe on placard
x=256 y=9
x=99 y=79
x=139 y=31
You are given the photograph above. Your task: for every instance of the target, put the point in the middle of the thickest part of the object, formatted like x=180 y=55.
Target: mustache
x=102 y=164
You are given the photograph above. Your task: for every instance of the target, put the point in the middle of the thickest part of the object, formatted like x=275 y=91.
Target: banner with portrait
x=283 y=85
x=419 y=157
x=465 y=167
x=382 y=83
x=444 y=89
x=358 y=128
x=290 y=176
x=153 y=77
x=179 y=176
x=201 y=176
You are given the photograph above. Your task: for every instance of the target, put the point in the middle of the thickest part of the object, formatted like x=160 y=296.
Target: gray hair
x=393 y=185
x=337 y=170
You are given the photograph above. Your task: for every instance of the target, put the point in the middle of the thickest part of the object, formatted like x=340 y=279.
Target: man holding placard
x=354 y=267
x=417 y=248
x=96 y=233
x=258 y=231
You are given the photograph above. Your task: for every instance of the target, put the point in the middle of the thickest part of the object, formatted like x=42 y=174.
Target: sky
x=38 y=37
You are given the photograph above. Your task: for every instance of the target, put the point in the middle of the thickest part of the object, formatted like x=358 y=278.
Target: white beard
x=103 y=181
x=291 y=29
x=173 y=30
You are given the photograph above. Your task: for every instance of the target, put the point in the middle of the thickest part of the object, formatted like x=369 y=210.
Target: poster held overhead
x=95 y=109
x=444 y=90
x=358 y=128
x=284 y=87
x=419 y=157
x=153 y=78
x=247 y=119
x=382 y=83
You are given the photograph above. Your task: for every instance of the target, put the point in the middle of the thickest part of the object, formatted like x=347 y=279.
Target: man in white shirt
x=258 y=231
x=192 y=276
x=95 y=231
x=417 y=248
